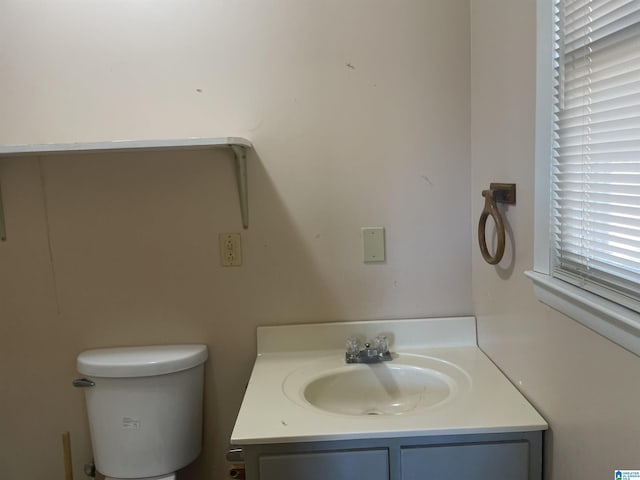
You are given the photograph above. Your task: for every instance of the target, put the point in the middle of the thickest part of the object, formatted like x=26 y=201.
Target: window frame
x=611 y=320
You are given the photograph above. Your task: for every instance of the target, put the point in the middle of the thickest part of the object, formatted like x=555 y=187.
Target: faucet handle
x=353 y=345
x=381 y=343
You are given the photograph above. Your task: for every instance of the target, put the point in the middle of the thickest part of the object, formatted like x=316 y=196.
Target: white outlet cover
x=373 y=244
x=230 y=249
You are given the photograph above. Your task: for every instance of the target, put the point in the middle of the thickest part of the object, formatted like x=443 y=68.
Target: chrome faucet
x=373 y=352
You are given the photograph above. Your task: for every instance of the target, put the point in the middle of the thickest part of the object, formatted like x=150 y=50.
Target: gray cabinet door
x=348 y=465
x=481 y=461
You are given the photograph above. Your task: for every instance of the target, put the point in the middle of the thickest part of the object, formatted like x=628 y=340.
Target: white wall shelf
x=237 y=145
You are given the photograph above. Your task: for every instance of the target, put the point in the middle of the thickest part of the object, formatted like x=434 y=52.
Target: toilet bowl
x=145 y=408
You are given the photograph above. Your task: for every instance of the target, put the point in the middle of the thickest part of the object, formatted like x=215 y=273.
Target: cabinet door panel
x=482 y=461
x=348 y=465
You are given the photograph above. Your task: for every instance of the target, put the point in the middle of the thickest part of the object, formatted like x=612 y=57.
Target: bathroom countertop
x=486 y=403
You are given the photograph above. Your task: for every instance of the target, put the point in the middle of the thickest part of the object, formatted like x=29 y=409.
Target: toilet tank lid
x=140 y=361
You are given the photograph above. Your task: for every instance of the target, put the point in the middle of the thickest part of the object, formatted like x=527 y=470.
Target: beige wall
x=586 y=387
x=359 y=112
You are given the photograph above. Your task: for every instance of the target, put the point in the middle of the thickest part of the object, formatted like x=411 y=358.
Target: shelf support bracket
x=240 y=163
x=3 y=227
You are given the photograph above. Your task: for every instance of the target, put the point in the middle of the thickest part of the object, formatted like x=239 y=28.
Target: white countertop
x=486 y=403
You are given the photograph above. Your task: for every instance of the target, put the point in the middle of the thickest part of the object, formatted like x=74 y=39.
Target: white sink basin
x=407 y=384
x=438 y=383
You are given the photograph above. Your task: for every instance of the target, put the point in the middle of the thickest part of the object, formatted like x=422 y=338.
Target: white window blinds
x=595 y=220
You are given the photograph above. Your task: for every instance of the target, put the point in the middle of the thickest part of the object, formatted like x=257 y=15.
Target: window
x=587 y=262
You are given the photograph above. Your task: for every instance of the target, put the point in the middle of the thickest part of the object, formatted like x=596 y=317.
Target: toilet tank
x=145 y=407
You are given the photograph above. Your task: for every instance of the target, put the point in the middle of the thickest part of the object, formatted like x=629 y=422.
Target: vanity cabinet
x=483 y=428
x=509 y=456
x=483 y=461
x=334 y=465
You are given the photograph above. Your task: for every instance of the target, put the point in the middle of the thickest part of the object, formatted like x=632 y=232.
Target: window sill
x=618 y=324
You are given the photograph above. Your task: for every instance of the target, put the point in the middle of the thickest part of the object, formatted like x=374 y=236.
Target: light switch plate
x=373 y=243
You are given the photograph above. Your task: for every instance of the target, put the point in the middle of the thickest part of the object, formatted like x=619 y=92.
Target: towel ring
x=497 y=193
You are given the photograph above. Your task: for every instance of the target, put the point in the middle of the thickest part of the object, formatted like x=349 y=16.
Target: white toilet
x=145 y=408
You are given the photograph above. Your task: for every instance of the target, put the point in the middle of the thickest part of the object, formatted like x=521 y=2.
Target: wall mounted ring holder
x=497 y=193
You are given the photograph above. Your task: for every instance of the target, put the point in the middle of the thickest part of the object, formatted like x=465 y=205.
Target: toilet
x=145 y=408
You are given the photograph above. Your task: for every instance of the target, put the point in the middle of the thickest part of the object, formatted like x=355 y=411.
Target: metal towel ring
x=497 y=193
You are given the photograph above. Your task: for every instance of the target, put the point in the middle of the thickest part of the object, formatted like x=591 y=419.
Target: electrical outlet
x=230 y=249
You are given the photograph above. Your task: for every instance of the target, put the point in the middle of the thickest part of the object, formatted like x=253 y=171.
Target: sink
x=377 y=390
x=407 y=384
x=438 y=383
